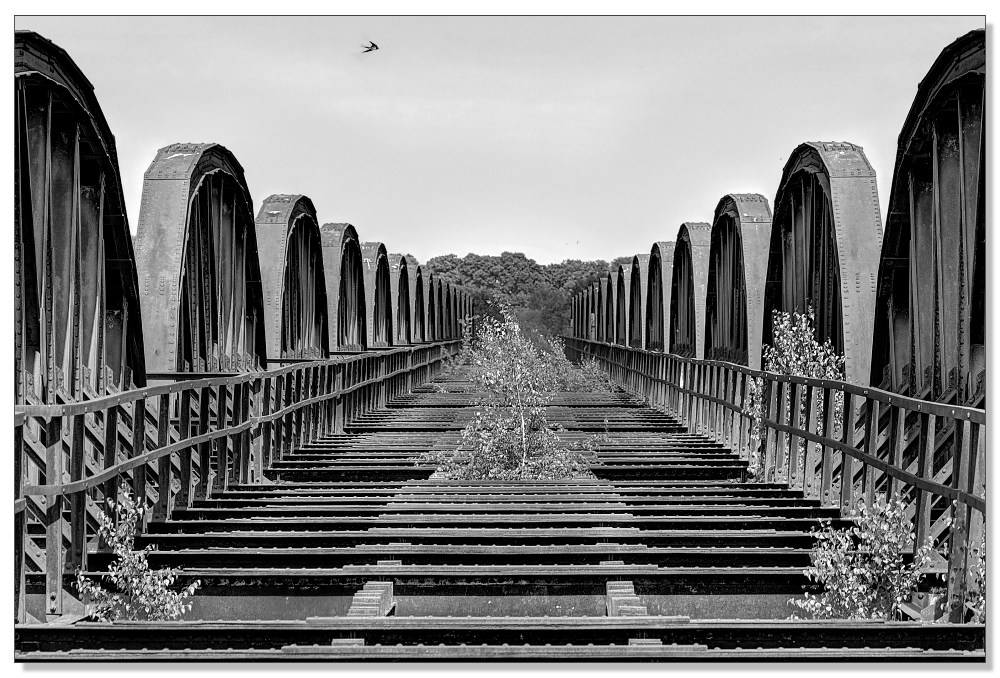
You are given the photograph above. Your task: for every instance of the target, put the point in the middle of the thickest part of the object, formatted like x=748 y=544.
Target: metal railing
x=194 y=436
x=834 y=441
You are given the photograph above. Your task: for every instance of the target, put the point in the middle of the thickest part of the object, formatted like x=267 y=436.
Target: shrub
x=510 y=438
x=862 y=567
x=795 y=352
x=587 y=377
x=141 y=592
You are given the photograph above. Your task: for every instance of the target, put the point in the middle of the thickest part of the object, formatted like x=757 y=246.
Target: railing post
x=203 y=487
x=163 y=468
x=871 y=448
x=795 y=422
x=138 y=449
x=829 y=454
x=76 y=554
x=221 y=475
x=776 y=440
x=54 y=522
x=183 y=497
x=958 y=556
x=262 y=448
x=847 y=461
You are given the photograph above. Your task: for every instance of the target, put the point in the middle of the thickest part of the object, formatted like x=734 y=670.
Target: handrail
x=932 y=454
x=973 y=414
x=200 y=434
x=104 y=402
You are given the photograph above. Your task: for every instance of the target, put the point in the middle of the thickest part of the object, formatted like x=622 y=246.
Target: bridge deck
x=493 y=570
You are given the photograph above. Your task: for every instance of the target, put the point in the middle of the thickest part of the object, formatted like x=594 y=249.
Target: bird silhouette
x=371 y=47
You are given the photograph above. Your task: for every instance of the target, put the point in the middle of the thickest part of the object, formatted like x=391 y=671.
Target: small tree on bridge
x=510 y=438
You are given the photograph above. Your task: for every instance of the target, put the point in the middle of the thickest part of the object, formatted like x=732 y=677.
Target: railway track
x=486 y=570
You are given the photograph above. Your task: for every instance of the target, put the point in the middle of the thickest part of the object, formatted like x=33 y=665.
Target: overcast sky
x=559 y=137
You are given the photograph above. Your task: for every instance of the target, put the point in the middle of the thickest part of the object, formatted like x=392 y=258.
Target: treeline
x=539 y=293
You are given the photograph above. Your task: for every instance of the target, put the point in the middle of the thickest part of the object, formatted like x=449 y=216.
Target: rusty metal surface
x=345 y=297
x=378 y=304
x=293 y=278
x=639 y=280
x=658 y=291
x=825 y=239
x=734 y=306
x=77 y=324
x=399 y=282
x=689 y=287
x=929 y=331
x=196 y=214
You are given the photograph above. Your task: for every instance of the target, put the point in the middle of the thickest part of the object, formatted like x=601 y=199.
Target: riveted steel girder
x=196 y=255
x=293 y=278
x=734 y=306
x=77 y=323
x=639 y=279
x=929 y=332
x=345 y=291
x=825 y=239
x=689 y=287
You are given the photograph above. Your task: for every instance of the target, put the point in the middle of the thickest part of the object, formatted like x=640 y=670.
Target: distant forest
x=540 y=293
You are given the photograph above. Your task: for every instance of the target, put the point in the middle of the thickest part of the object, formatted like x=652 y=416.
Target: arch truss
x=378 y=294
x=929 y=337
x=293 y=279
x=688 y=289
x=825 y=239
x=345 y=279
x=196 y=252
x=77 y=326
x=734 y=302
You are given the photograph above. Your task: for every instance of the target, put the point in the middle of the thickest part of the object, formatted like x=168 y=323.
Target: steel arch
x=418 y=312
x=637 y=301
x=378 y=294
x=658 y=287
x=293 y=279
x=597 y=311
x=734 y=302
x=345 y=291
x=688 y=286
x=623 y=281
x=433 y=332
x=399 y=281
x=823 y=249
x=929 y=333
x=78 y=327
x=605 y=324
x=196 y=256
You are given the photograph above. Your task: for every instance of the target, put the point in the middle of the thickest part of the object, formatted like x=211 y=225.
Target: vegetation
x=510 y=438
x=539 y=294
x=795 y=352
x=862 y=567
x=140 y=592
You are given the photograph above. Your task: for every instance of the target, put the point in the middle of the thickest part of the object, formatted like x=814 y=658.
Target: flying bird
x=371 y=47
